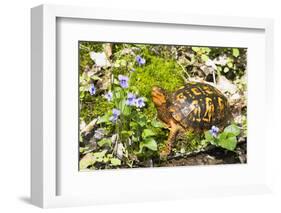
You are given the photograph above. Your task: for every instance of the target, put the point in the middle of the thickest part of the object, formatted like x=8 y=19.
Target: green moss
x=159 y=72
x=156 y=72
x=85 y=48
x=97 y=107
x=189 y=142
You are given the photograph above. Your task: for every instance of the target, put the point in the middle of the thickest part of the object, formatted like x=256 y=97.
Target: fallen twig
x=89 y=127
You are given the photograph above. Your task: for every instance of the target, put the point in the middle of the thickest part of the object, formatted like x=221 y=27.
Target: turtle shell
x=199 y=106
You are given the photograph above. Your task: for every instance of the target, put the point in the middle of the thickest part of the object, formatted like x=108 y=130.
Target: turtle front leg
x=174 y=130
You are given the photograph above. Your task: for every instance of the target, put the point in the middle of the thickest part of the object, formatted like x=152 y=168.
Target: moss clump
x=156 y=72
x=189 y=142
x=97 y=107
x=159 y=72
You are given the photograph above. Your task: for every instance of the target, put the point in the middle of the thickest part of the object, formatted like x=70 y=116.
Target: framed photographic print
x=149 y=106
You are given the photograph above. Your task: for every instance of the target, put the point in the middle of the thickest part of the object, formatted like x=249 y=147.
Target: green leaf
x=94 y=77
x=208 y=136
x=126 y=110
x=115 y=162
x=116 y=64
x=115 y=81
x=147 y=133
x=230 y=64
x=123 y=63
x=120 y=62
x=206 y=49
x=117 y=89
x=228 y=143
x=135 y=139
x=82 y=94
x=98 y=156
x=195 y=49
x=122 y=105
x=127 y=134
x=204 y=142
x=235 y=52
x=104 y=119
x=157 y=124
x=204 y=57
x=83 y=149
x=141 y=121
x=86 y=161
x=223 y=136
x=149 y=143
x=233 y=129
x=104 y=141
x=226 y=69
x=133 y=125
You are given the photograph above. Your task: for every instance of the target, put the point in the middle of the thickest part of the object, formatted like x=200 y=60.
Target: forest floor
x=211 y=157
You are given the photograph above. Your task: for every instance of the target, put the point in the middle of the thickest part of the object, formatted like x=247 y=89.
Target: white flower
x=100 y=59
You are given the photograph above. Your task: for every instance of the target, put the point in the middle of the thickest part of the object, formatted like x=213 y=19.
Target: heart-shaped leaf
x=149 y=143
x=228 y=143
x=233 y=129
x=147 y=133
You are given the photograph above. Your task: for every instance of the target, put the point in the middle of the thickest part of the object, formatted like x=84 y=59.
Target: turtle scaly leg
x=174 y=130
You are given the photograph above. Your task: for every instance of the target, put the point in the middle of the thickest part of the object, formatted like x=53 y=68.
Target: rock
x=226 y=86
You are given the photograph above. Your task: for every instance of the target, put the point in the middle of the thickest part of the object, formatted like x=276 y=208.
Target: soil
x=213 y=156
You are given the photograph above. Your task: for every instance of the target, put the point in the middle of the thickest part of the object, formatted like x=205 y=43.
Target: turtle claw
x=163 y=155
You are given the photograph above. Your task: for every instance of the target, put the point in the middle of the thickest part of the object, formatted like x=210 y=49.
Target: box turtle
x=196 y=107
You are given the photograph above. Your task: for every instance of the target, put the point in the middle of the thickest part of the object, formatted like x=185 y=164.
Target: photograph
x=161 y=105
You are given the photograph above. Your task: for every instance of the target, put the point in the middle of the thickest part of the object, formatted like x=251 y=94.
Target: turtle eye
x=180 y=96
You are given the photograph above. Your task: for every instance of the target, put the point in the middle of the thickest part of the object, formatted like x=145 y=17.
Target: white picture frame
x=45 y=178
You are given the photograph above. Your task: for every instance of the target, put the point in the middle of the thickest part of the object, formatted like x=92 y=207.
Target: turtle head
x=159 y=96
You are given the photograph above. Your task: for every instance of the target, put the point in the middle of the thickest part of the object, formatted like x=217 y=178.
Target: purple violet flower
x=123 y=80
x=140 y=60
x=139 y=102
x=108 y=96
x=214 y=131
x=92 y=89
x=131 y=99
x=115 y=115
